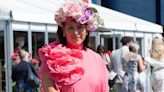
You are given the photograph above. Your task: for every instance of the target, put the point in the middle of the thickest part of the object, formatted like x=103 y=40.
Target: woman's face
x=75 y=33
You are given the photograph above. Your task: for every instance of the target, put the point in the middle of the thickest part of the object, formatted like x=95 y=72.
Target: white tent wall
x=39 y=15
x=4 y=14
x=148 y=40
x=2 y=25
x=43 y=11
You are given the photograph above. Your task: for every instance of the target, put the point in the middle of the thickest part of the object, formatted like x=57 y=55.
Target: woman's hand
x=153 y=54
x=48 y=83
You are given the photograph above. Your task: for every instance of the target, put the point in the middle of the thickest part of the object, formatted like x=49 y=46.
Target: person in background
x=115 y=65
x=156 y=60
x=19 y=43
x=68 y=65
x=36 y=62
x=132 y=65
x=109 y=53
x=19 y=72
x=101 y=51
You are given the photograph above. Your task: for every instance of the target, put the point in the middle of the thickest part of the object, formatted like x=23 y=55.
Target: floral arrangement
x=15 y=58
x=80 y=13
x=35 y=61
x=64 y=64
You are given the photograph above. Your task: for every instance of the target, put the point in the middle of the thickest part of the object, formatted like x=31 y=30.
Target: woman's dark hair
x=126 y=40
x=62 y=39
x=100 y=49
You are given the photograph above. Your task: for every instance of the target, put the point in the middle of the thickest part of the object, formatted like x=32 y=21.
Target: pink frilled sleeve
x=44 y=68
x=61 y=63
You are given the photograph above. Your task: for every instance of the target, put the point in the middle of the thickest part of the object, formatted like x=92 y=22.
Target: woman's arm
x=107 y=58
x=141 y=64
x=48 y=84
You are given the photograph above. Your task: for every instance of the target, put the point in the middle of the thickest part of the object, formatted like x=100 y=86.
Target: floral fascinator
x=80 y=13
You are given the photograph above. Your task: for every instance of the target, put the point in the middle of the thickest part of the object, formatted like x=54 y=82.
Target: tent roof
x=43 y=11
x=121 y=20
x=4 y=14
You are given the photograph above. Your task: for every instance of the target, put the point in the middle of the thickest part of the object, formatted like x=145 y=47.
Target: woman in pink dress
x=68 y=65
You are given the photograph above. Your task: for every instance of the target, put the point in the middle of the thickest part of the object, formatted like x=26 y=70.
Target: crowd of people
x=21 y=62
x=20 y=71
x=69 y=65
x=128 y=69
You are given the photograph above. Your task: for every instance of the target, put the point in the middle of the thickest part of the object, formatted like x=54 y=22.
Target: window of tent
x=92 y=42
x=140 y=43
x=52 y=37
x=2 y=62
x=38 y=40
x=20 y=40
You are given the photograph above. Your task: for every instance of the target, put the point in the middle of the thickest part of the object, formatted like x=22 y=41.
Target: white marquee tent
x=43 y=11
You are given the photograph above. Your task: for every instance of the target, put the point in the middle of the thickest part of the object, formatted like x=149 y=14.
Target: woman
x=132 y=65
x=116 y=62
x=19 y=72
x=68 y=65
x=105 y=56
x=157 y=62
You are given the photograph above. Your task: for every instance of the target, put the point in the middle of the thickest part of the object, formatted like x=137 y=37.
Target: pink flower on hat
x=72 y=9
x=88 y=15
x=92 y=26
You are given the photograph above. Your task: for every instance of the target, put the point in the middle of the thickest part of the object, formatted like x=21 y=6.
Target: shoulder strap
x=32 y=68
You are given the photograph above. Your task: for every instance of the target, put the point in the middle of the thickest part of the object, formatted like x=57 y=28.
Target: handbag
x=31 y=78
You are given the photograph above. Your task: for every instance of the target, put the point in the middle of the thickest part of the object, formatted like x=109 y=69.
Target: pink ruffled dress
x=74 y=69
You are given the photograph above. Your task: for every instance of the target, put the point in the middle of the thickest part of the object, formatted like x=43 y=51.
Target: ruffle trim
x=64 y=64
